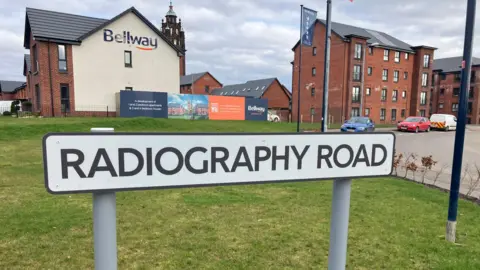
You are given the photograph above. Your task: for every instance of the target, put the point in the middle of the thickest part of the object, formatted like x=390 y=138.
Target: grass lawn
x=394 y=224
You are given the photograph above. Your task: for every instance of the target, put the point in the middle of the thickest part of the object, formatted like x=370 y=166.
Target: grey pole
x=104 y=226
x=326 y=67
x=299 y=69
x=337 y=255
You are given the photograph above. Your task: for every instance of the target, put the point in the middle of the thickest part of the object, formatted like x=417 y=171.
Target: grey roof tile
x=10 y=86
x=452 y=64
x=254 y=88
x=188 y=79
x=374 y=36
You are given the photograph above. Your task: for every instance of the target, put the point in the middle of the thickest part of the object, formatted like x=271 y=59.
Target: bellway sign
x=91 y=162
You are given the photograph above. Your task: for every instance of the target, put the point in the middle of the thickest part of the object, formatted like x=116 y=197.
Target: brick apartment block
x=445 y=89
x=394 y=74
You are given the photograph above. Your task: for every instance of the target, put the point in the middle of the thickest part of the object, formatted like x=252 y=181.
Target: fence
x=46 y=111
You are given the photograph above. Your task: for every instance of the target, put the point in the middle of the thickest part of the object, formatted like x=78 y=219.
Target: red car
x=414 y=123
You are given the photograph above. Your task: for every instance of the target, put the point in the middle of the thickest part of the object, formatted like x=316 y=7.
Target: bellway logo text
x=126 y=37
x=256 y=109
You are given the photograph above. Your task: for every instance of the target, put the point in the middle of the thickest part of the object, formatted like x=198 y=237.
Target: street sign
x=92 y=162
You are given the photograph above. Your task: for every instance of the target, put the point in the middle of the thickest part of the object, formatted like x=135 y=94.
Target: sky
x=241 y=40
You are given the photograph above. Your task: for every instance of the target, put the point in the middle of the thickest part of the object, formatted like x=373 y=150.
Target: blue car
x=358 y=124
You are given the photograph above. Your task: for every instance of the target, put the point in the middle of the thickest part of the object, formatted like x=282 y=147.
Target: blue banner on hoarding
x=256 y=109
x=309 y=18
x=144 y=104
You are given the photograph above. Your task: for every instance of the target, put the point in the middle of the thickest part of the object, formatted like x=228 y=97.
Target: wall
x=99 y=69
x=337 y=77
x=417 y=88
x=277 y=98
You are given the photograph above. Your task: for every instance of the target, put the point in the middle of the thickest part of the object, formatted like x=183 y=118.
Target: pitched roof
x=452 y=64
x=71 y=28
x=383 y=39
x=26 y=64
x=10 y=86
x=191 y=78
x=254 y=88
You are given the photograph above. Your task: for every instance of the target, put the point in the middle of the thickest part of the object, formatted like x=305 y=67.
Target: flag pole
x=299 y=69
x=326 y=67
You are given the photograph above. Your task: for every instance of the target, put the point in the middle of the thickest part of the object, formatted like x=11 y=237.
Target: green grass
x=393 y=224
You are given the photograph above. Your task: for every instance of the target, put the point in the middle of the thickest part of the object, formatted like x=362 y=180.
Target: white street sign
x=89 y=162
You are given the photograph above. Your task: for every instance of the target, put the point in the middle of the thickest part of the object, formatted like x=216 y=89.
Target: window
x=426 y=60
x=312 y=93
x=314 y=51
x=35 y=58
x=384 y=94
x=442 y=91
x=405 y=75
x=422 y=113
x=129 y=88
x=385 y=55
x=355 y=112
x=394 y=114
x=356 y=72
x=128 y=58
x=443 y=76
x=456 y=91
x=406 y=56
x=367 y=111
x=469 y=108
x=396 y=74
x=314 y=72
x=402 y=113
x=458 y=76
x=423 y=98
x=370 y=50
x=368 y=91
x=385 y=75
x=424 y=79
x=382 y=114
x=397 y=57
x=62 y=58
x=404 y=94
x=207 y=89
x=312 y=111
x=358 y=51
x=65 y=97
x=356 y=94
x=369 y=69
x=454 y=107
x=394 y=95
x=471 y=93
x=433 y=79
x=38 y=98
x=440 y=106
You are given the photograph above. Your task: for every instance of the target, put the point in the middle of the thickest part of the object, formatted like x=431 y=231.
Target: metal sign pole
x=104 y=226
x=337 y=255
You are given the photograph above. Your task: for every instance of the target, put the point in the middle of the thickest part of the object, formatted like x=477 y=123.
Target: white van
x=443 y=122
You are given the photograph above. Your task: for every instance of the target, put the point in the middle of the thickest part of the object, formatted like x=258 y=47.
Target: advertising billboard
x=143 y=104
x=256 y=109
x=226 y=108
x=191 y=107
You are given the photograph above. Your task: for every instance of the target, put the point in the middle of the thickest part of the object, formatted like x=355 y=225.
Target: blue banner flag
x=309 y=18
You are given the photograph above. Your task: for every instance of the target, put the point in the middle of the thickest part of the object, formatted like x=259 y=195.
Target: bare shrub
x=396 y=162
x=440 y=172
x=427 y=164
x=474 y=181
x=410 y=165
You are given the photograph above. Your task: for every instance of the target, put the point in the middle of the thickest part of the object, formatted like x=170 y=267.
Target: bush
x=7 y=113
x=15 y=107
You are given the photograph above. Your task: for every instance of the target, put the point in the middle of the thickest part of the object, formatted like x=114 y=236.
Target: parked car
x=358 y=124
x=414 y=123
x=272 y=117
x=443 y=122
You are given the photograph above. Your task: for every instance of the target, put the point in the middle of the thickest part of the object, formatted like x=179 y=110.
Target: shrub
x=7 y=113
x=15 y=106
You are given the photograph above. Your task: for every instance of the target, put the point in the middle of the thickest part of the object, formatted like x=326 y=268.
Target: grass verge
x=394 y=224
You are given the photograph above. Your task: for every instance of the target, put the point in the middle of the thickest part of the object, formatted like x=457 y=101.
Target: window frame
x=384 y=114
x=424 y=79
x=314 y=71
x=394 y=95
x=397 y=59
x=393 y=113
x=368 y=91
x=383 y=97
x=62 y=60
x=357 y=75
x=128 y=88
x=129 y=53
x=386 y=55
x=356 y=94
x=369 y=71
x=426 y=60
x=456 y=110
x=423 y=97
x=385 y=75
x=397 y=78
x=358 y=51
x=63 y=99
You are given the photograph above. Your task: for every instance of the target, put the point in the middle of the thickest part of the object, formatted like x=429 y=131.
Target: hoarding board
x=143 y=103
x=256 y=109
x=89 y=162
x=185 y=106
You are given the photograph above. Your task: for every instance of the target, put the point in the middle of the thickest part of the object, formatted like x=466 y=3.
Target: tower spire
x=170 y=11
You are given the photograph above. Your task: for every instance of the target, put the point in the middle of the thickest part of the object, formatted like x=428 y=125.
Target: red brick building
x=198 y=83
x=445 y=89
x=278 y=96
x=174 y=31
x=79 y=63
x=369 y=69
x=13 y=90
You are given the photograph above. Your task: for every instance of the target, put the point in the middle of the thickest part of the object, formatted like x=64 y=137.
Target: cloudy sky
x=240 y=40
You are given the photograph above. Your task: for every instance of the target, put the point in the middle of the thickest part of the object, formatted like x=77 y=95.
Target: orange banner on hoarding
x=226 y=108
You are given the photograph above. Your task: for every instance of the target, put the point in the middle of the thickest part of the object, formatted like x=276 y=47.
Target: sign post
x=104 y=225
x=104 y=162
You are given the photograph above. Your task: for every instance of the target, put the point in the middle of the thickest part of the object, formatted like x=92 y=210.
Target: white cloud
x=240 y=40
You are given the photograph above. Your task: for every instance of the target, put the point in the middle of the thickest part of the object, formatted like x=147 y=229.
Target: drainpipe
x=50 y=75
x=363 y=78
